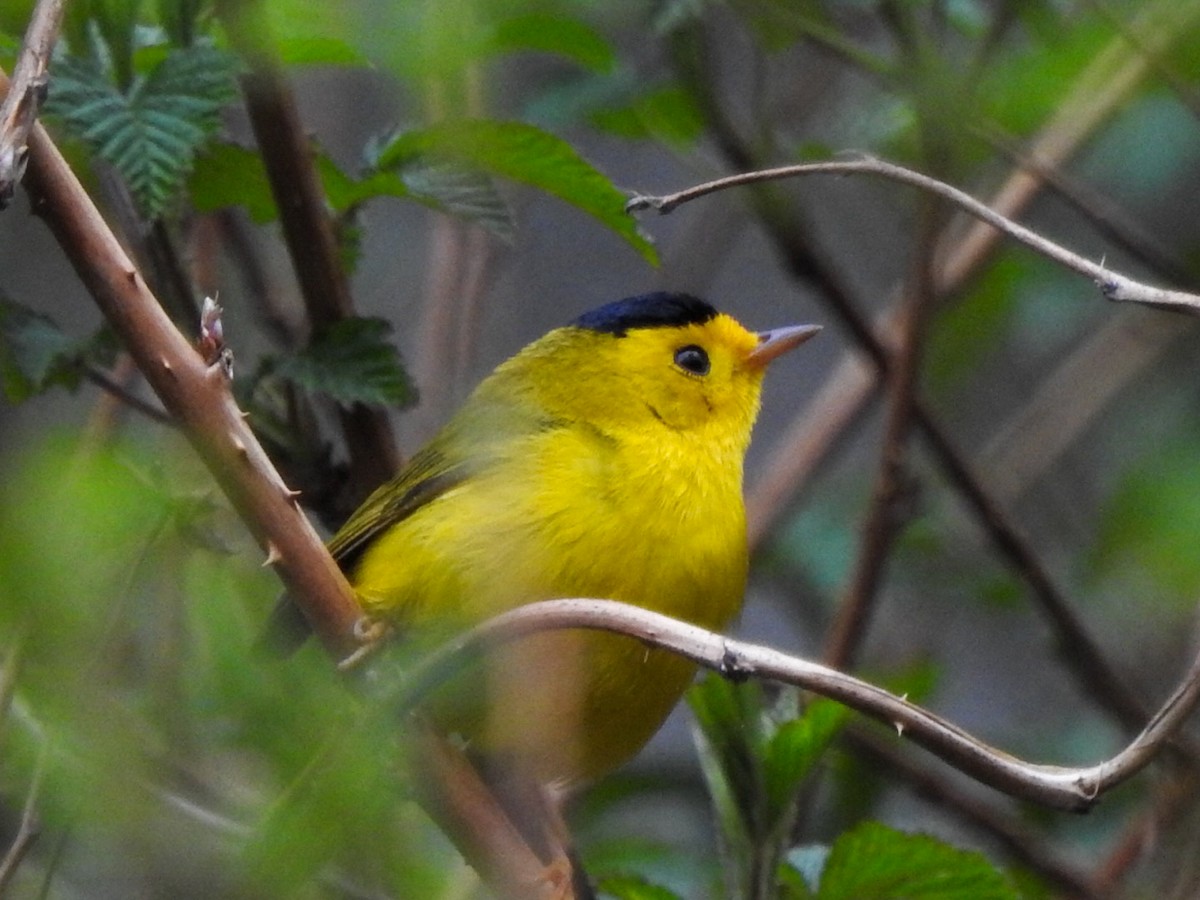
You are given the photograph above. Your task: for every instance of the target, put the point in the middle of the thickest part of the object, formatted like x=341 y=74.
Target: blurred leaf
x=1150 y=521
x=556 y=34
x=228 y=175
x=351 y=362
x=152 y=132
x=874 y=862
x=667 y=113
x=631 y=887
x=35 y=354
x=526 y=154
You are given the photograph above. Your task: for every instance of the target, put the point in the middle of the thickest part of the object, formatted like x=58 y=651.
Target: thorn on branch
x=273 y=555
x=733 y=667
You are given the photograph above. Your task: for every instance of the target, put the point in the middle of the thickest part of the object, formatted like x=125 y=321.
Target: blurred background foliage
x=475 y=157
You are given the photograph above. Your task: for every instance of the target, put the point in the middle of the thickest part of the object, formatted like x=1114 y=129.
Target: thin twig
x=882 y=521
x=1112 y=284
x=30 y=77
x=30 y=827
x=1074 y=789
x=103 y=380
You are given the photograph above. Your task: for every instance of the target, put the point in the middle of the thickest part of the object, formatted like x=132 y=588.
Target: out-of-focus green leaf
x=34 y=352
x=1150 y=522
x=632 y=887
x=968 y=333
x=874 y=862
x=556 y=34
x=152 y=132
x=352 y=362
x=526 y=154
x=228 y=175
x=667 y=113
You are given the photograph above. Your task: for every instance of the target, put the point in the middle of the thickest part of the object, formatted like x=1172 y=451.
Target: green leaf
x=667 y=113
x=33 y=351
x=151 y=133
x=228 y=175
x=526 y=154
x=874 y=862
x=557 y=34
x=795 y=748
x=633 y=887
x=352 y=362
x=35 y=354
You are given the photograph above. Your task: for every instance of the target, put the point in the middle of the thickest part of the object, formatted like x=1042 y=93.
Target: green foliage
x=35 y=354
x=874 y=862
x=351 y=362
x=1149 y=523
x=631 y=887
x=151 y=130
x=527 y=154
x=755 y=756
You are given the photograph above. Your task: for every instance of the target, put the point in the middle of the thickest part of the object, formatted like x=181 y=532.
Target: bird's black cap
x=658 y=310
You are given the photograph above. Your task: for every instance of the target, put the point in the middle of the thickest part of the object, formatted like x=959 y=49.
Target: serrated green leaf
x=874 y=862
x=228 y=175
x=352 y=362
x=526 y=154
x=633 y=887
x=150 y=134
x=557 y=34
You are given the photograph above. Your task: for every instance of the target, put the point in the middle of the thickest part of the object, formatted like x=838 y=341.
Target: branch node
x=733 y=667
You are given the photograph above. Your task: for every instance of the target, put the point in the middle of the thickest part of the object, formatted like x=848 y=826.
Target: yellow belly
x=570 y=705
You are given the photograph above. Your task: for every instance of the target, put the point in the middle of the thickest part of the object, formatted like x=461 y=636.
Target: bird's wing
x=428 y=475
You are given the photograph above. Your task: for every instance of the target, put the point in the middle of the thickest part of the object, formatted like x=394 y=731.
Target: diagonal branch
x=19 y=110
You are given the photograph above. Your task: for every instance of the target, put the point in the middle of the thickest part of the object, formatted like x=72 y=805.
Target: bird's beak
x=779 y=341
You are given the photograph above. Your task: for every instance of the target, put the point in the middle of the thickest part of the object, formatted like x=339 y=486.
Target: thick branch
x=1073 y=789
x=196 y=394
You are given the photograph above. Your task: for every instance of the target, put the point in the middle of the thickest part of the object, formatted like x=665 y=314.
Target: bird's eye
x=692 y=359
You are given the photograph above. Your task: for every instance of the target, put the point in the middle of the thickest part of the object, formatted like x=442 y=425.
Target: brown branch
x=29 y=828
x=30 y=77
x=194 y=393
x=1074 y=789
x=883 y=518
x=307 y=227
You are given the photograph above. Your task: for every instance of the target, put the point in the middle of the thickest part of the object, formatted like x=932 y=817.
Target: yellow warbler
x=603 y=460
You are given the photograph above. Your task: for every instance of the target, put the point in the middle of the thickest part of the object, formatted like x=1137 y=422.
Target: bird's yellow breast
x=657 y=521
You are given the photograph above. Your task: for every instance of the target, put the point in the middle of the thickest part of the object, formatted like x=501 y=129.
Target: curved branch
x=1074 y=789
x=1113 y=285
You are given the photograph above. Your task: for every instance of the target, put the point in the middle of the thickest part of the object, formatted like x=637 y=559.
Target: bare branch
x=30 y=827
x=1112 y=285
x=1074 y=789
x=19 y=110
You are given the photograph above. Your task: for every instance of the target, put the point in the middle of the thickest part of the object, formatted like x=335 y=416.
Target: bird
x=603 y=460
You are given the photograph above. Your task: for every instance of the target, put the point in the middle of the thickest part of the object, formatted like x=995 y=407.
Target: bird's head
x=657 y=361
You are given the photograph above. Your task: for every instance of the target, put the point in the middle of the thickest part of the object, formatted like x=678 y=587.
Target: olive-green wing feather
x=427 y=476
